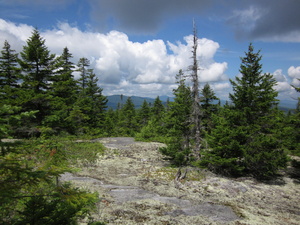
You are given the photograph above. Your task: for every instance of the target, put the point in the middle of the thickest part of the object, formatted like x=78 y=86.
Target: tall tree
x=63 y=91
x=37 y=64
x=208 y=106
x=9 y=71
x=177 y=124
x=246 y=137
x=83 y=65
x=144 y=113
x=195 y=114
x=9 y=75
x=157 y=109
x=127 y=118
x=88 y=110
x=254 y=92
x=37 y=68
x=96 y=100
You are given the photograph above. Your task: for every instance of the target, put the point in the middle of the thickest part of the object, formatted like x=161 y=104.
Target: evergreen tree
x=8 y=66
x=64 y=84
x=37 y=68
x=254 y=94
x=292 y=129
x=144 y=113
x=83 y=65
x=89 y=108
x=63 y=91
x=37 y=64
x=96 y=100
x=208 y=107
x=158 y=109
x=177 y=124
x=9 y=75
x=246 y=137
x=127 y=120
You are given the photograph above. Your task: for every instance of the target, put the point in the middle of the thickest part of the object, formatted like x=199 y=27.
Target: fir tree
x=9 y=72
x=37 y=64
x=63 y=92
x=128 y=123
x=246 y=137
x=9 y=75
x=177 y=124
x=37 y=68
x=83 y=65
x=157 y=109
x=144 y=113
x=97 y=100
x=208 y=107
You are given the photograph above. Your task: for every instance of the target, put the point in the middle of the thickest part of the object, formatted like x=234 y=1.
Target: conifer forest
x=44 y=110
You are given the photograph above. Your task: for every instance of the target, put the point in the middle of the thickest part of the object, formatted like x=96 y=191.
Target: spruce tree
x=208 y=107
x=157 y=109
x=63 y=92
x=127 y=118
x=37 y=67
x=177 y=124
x=9 y=75
x=89 y=108
x=246 y=137
x=9 y=71
x=96 y=100
x=144 y=113
x=83 y=65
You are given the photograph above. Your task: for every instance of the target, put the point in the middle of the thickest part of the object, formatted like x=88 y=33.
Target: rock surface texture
x=136 y=185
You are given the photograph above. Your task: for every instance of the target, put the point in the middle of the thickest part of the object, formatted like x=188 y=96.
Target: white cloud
x=124 y=66
x=16 y=35
x=294 y=73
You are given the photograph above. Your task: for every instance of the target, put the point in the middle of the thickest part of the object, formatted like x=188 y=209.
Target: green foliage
x=127 y=119
x=9 y=75
x=177 y=124
x=246 y=139
x=208 y=107
x=30 y=192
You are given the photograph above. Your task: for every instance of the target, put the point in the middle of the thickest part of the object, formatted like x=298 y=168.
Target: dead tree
x=195 y=114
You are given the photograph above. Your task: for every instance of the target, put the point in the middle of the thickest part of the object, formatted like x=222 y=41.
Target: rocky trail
x=136 y=186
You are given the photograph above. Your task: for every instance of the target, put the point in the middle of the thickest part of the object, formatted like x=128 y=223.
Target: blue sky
x=137 y=46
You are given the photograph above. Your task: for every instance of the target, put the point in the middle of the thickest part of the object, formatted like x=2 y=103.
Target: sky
x=136 y=47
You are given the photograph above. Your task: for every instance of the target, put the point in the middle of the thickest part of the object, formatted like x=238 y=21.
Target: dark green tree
x=96 y=99
x=144 y=113
x=127 y=118
x=63 y=92
x=209 y=107
x=88 y=110
x=37 y=67
x=292 y=128
x=9 y=75
x=177 y=124
x=83 y=67
x=157 y=109
x=246 y=138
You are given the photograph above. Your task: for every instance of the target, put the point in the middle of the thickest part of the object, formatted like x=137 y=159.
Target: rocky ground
x=136 y=186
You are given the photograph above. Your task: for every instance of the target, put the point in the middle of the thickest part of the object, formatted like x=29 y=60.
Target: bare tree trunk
x=195 y=115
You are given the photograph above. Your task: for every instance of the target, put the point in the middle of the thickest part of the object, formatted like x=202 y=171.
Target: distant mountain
x=114 y=100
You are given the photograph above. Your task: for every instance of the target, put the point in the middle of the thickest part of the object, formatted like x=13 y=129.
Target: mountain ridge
x=117 y=100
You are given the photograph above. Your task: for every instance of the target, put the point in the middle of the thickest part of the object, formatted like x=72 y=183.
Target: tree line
x=40 y=97
x=195 y=125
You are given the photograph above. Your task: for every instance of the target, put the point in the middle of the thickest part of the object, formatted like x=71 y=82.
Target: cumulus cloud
x=294 y=73
x=123 y=65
